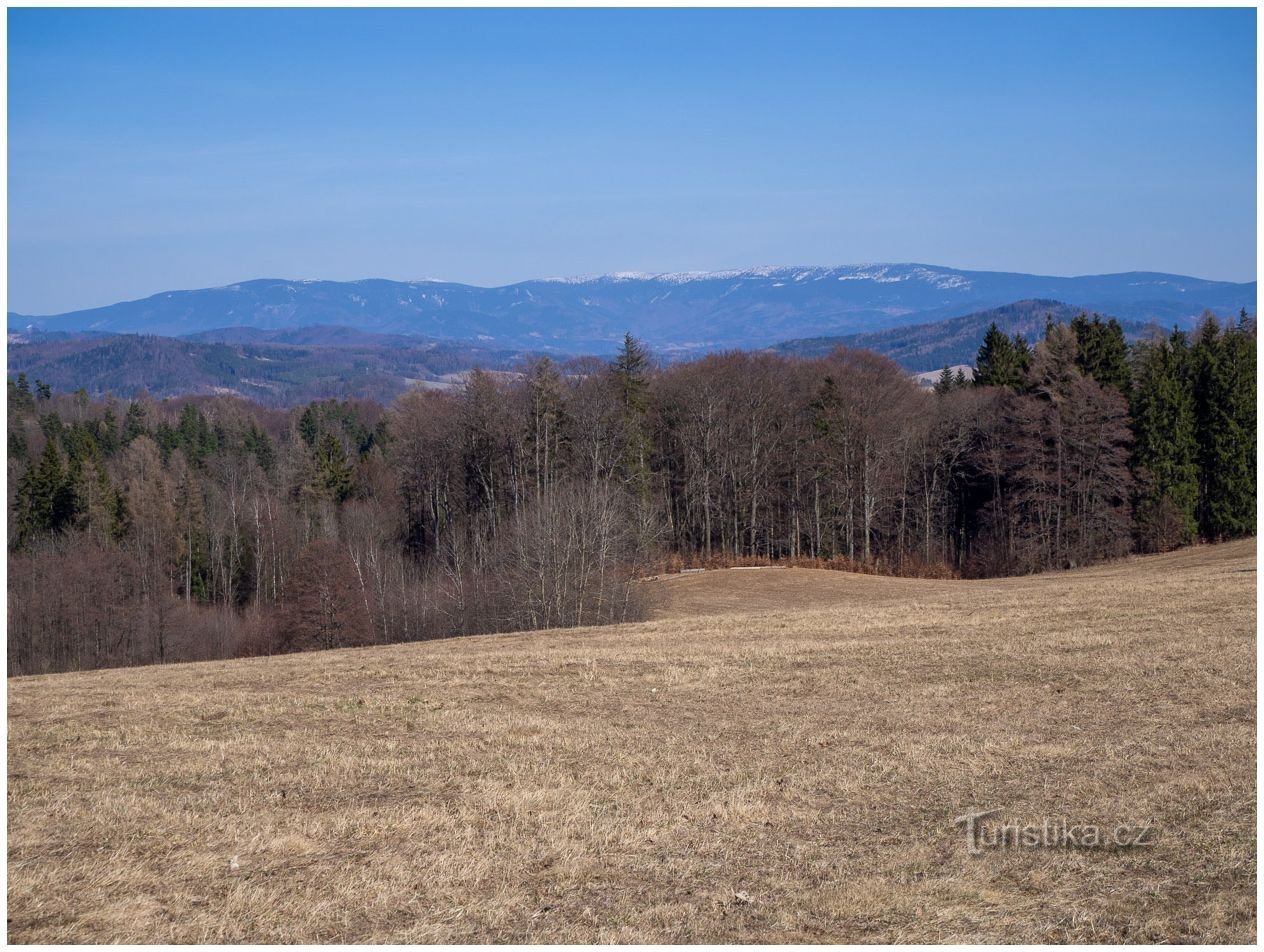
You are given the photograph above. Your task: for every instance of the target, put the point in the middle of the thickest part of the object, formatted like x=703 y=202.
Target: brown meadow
x=777 y=756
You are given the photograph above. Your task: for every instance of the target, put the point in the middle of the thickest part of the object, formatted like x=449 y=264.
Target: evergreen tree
x=308 y=427
x=631 y=370
x=1000 y=362
x=259 y=444
x=333 y=470
x=46 y=500
x=20 y=394
x=631 y=373
x=1224 y=402
x=101 y=503
x=1102 y=351
x=1239 y=394
x=946 y=382
x=133 y=423
x=1023 y=356
x=194 y=435
x=18 y=450
x=167 y=439
x=106 y=432
x=1165 y=449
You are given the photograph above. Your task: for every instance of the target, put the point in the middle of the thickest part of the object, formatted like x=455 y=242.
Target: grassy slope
x=777 y=756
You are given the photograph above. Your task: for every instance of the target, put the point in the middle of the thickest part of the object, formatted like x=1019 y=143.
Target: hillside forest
x=145 y=531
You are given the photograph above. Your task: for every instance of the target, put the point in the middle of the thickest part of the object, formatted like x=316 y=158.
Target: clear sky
x=152 y=150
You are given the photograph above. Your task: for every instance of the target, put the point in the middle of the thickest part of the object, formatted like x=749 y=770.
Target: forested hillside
x=924 y=347
x=279 y=368
x=151 y=530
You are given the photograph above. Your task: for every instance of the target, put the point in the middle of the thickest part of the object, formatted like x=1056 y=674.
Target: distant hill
x=292 y=365
x=928 y=347
x=273 y=373
x=315 y=335
x=674 y=312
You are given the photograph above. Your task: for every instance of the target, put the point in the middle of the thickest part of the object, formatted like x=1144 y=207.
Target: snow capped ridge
x=877 y=273
x=892 y=273
x=677 y=277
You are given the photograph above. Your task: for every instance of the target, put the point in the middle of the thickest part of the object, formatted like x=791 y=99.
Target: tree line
x=148 y=531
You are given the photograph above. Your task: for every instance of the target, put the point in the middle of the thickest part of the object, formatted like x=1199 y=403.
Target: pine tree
x=946 y=382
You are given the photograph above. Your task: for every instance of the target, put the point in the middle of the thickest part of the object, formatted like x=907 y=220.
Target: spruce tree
x=1224 y=400
x=1103 y=351
x=631 y=370
x=1165 y=448
x=1239 y=395
x=631 y=373
x=20 y=397
x=333 y=468
x=1023 y=356
x=133 y=423
x=996 y=365
x=194 y=436
x=258 y=444
x=1002 y=361
x=46 y=500
x=308 y=427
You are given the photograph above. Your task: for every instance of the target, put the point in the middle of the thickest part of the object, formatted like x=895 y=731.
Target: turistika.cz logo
x=984 y=832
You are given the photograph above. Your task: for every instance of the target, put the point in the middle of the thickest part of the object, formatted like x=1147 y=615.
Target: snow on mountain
x=673 y=311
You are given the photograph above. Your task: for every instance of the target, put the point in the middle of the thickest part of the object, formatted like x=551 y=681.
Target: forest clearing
x=774 y=756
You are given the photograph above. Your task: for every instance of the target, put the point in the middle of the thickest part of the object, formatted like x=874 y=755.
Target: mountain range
x=676 y=313
x=294 y=365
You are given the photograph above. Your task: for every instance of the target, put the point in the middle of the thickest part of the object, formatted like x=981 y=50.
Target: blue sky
x=159 y=149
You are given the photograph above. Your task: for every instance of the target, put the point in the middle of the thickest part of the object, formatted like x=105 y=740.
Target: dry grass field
x=777 y=756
